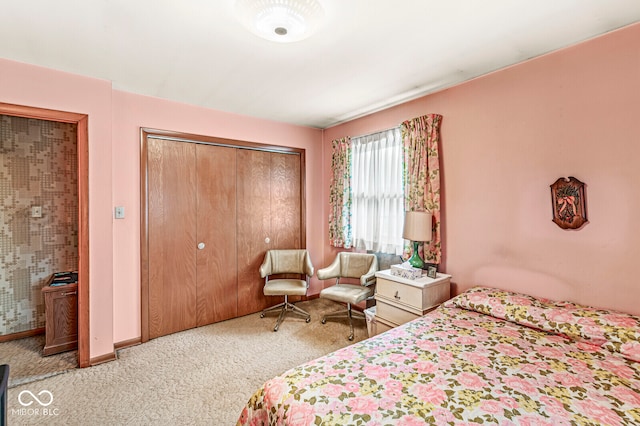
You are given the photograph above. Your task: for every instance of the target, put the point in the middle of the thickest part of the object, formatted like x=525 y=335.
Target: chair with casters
x=362 y=266
x=284 y=262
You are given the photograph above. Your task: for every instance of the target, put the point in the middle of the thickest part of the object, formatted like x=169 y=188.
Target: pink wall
x=130 y=112
x=44 y=88
x=509 y=135
x=115 y=119
x=505 y=138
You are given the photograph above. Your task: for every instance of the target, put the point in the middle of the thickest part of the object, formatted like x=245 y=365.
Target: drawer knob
x=396 y=295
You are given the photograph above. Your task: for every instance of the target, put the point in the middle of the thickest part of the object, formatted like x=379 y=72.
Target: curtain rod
x=373 y=133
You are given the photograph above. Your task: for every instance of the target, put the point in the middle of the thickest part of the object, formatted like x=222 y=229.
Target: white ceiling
x=366 y=56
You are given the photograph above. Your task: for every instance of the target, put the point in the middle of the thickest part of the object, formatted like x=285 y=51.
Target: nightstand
x=400 y=300
x=61 y=312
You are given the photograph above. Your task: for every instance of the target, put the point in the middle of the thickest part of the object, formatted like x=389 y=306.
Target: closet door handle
x=200 y=246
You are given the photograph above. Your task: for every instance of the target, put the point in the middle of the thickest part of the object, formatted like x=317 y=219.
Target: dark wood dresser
x=61 y=310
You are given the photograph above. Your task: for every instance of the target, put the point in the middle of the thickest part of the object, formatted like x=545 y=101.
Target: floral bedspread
x=485 y=357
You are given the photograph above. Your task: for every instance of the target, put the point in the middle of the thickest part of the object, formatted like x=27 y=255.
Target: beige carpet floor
x=202 y=376
x=24 y=356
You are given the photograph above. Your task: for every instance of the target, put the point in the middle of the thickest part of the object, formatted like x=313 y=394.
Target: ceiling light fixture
x=280 y=20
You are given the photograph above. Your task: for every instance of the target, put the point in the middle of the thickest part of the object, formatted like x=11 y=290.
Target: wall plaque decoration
x=568 y=203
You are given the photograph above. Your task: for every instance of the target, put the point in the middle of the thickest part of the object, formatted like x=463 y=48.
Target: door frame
x=82 y=142
x=146 y=133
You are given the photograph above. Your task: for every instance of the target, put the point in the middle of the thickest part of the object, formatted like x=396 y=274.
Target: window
x=375 y=177
x=378 y=196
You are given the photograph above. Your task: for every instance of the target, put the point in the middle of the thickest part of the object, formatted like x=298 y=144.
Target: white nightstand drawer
x=383 y=325
x=393 y=314
x=400 y=293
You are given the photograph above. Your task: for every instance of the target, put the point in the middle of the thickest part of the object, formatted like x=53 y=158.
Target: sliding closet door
x=217 y=285
x=213 y=208
x=285 y=201
x=269 y=214
x=254 y=236
x=172 y=236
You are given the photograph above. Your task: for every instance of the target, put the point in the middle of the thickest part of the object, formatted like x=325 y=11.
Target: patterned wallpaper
x=38 y=168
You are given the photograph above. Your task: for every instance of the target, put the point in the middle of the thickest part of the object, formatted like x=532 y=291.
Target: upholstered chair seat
x=282 y=263
x=347 y=293
x=289 y=287
x=361 y=266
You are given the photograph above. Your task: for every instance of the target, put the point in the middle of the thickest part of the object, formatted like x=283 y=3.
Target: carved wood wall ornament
x=568 y=203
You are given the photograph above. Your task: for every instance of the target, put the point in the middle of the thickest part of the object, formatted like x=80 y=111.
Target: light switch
x=36 y=211
x=119 y=212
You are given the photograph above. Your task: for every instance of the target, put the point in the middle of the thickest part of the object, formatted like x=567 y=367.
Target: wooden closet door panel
x=217 y=285
x=285 y=201
x=254 y=220
x=172 y=232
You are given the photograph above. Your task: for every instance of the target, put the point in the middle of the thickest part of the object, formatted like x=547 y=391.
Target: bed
x=486 y=356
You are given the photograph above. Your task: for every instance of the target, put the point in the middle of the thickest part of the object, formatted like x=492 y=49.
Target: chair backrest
x=362 y=266
x=294 y=261
x=4 y=384
x=355 y=265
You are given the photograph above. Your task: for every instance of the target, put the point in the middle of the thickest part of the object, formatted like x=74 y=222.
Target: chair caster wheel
x=351 y=337
x=275 y=328
x=324 y=320
x=262 y=315
x=308 y=320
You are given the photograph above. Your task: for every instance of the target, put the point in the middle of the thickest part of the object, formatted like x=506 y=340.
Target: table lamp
x=417 y=228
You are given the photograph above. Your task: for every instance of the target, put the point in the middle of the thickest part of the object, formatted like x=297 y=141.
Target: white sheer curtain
x=378 y=197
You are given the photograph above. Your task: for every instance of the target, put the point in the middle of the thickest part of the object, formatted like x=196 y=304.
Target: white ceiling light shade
x=280 y=20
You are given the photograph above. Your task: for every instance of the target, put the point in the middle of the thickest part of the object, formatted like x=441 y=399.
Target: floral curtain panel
x=421 y=176
x=340 y=196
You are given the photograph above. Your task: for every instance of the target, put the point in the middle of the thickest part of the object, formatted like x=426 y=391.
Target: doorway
x=81 y=123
